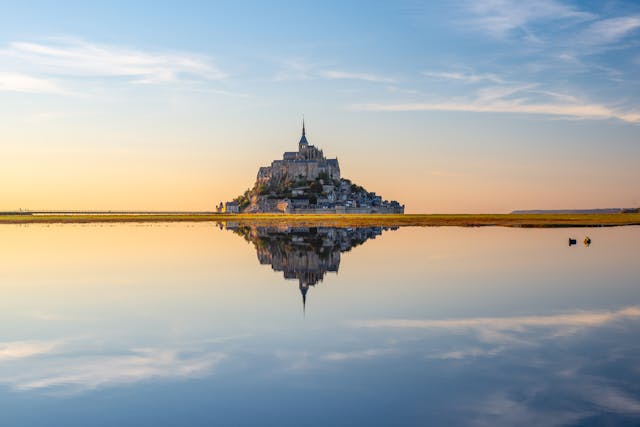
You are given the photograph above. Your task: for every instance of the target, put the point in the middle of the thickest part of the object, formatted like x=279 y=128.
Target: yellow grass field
x=417 y=220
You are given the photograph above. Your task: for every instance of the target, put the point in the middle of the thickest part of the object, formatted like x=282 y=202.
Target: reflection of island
x=304 y=253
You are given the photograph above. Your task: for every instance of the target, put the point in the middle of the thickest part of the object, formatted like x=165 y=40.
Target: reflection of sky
x=160 y=324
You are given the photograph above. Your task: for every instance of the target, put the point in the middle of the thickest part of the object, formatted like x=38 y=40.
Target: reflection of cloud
x=295 y=360
x=75 y=374
x=23 y=349
x=513 y=407
x=42 y=315
x=470 y=352
x=531 y=370
x=500 y=410
x=507 y=330
x=611 y=399
x=356 y=355
x=585 y=318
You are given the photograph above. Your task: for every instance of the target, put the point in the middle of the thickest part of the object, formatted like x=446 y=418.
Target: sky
x=479 y=106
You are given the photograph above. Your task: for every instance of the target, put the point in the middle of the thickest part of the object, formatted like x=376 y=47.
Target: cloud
x=298 y=69
x=463 y=77
x=496 y=94
x=586 y=111
x=336 y=75
x=19 y=82
x=610 y=30
x=79 y=58
x=514 y=99
x=295 y=69
x=500 y=17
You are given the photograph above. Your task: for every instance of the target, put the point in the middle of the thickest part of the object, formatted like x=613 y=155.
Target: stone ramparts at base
x=348 y=211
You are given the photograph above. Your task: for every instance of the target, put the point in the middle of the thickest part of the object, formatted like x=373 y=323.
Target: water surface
x=193 y=324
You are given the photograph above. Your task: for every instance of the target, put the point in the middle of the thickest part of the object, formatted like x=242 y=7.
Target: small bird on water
x=587 y=241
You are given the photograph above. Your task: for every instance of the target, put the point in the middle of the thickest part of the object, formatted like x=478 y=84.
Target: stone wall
x=339 y=210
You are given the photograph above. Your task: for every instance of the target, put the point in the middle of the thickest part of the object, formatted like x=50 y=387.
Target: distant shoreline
x=333 y=220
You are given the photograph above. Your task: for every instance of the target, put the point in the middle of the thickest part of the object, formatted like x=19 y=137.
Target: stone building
x=308 y=163
x=231 y=207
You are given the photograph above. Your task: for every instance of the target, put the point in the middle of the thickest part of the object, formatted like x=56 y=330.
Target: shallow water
x=190 y=324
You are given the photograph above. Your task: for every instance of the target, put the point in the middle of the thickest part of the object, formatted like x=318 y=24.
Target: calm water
x=190 y=324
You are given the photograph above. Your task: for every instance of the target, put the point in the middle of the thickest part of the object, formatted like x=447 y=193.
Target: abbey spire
x=303 y=140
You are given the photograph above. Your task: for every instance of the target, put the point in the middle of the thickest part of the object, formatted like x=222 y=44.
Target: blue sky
x=482 y=101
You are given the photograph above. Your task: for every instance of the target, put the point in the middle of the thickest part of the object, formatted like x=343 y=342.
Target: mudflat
x=341 y=220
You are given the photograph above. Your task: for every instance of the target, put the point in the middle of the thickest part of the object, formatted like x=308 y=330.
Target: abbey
x=308 y=163
x=305 y=181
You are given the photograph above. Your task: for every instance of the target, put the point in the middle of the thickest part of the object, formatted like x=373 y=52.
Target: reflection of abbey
x=305 y=254
x=305 y=181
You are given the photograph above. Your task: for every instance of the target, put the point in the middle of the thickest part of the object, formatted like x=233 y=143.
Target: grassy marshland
x=420 y=220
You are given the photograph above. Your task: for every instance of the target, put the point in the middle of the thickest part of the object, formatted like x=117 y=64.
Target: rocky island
x=306 y=182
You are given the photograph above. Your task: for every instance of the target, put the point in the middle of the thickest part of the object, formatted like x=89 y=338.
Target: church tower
x=303 y=140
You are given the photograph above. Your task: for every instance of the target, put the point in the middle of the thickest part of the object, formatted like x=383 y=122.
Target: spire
x=303 y=290
x=303 y=140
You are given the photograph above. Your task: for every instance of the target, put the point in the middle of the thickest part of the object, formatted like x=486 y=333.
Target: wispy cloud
x=20 y=82
x=295 y=69
x=500 y=17
x=463 y=77
x=610 y=30
x=525 y=98
x=299 y=69
x=337 y=75
x=79 y=58
x=584 y=111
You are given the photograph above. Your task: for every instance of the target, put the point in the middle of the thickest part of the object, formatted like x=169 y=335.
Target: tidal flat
x=339 y=220
x=231 y=323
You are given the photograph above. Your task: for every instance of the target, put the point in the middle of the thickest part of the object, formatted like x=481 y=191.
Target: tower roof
x=303 y=139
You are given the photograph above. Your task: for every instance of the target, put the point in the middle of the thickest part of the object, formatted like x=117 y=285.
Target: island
x=306 y=182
